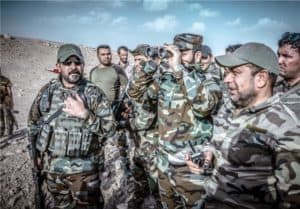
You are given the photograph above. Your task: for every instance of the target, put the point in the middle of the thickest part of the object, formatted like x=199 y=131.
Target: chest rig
x=63 y=135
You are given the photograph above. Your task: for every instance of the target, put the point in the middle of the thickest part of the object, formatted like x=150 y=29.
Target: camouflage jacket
x=257 y=156
x=71 y=144
x=185 y=101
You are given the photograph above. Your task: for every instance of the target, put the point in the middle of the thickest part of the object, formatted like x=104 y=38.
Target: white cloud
x=234 y=23
x=165 y=23
x=119 y=20
x=157 y=5
x=266 y=24
x=208 y=13
x=195 y=6
x=91 y=17
x=198 y=27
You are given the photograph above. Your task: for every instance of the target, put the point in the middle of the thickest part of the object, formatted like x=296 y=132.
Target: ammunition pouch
x=44 y=138
x=71 y=143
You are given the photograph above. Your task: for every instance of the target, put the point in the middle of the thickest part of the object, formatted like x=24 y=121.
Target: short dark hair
x=232 y=48
x=255 y=69
x=289 y=38
x=125 y=48
x=102 y=46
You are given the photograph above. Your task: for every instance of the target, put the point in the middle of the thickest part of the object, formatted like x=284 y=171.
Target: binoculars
x=159 y=52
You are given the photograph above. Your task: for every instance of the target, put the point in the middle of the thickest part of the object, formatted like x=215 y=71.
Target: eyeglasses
x=69 y=62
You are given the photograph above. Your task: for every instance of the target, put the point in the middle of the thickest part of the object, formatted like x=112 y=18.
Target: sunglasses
x=69 y=62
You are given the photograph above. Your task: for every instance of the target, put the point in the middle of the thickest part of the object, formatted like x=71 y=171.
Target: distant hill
x=26 y=62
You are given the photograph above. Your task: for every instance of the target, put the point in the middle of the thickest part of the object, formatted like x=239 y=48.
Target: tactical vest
x=65 y=135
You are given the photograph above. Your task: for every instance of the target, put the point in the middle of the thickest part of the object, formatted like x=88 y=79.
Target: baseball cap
x=67 y=50
x=206 y=50
x=254 y=53
x=140 y=49
x=187 y=41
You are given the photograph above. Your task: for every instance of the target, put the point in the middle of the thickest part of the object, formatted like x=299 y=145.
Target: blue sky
x=117 y=22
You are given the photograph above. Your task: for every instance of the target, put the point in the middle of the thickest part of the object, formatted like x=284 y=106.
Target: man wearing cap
x=68 y=122
x=255 y=149
x=204 y=57
x=185 y=100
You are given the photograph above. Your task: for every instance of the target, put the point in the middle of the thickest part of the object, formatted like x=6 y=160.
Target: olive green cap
x=67 y=50
x=254 y=53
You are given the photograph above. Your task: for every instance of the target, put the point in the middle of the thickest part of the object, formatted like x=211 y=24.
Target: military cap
x=254 y=53
x=187 y=41
x=140 y=49
x=67 y=50
x=206 y=51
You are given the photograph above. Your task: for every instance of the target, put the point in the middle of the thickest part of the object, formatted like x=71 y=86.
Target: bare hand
x=75 y=107
x=194 y=168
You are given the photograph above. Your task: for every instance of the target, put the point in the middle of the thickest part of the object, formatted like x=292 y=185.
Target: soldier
x=205 y=58
x=256 y=146
x=185 y=98
x=144 y=123
x=124 y=64
x=108 y=76
x=289 y=62
x=68 y=122
x=7 y=119
x=117 y=178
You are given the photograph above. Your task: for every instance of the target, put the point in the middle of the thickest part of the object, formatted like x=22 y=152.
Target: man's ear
x=261 y=78
x=58 y=67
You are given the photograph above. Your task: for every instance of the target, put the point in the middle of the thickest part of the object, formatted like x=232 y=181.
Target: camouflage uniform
x=215 y=71
x=118 y=185
x=7 y=119
x=257 y=158
x=71 y=148
x=185 y=100
x=282 y=86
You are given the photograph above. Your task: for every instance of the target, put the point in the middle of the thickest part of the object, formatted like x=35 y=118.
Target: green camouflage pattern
x=69 y=140
x=257 y=156
x=71 y=148
x=215 y=71
x=185 y=100
x=85 y=191
x=6 y=107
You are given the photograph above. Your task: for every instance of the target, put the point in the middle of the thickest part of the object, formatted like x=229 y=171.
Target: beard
x=243 y=100
x=72 y=77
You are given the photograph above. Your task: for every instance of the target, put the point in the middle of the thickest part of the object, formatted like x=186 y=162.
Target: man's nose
x=228 y=78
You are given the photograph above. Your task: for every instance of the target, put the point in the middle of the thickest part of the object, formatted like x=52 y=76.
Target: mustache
x=74 y=72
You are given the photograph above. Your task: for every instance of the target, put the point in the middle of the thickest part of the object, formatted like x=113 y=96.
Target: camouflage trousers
x=73 y=191
x=180 y=189
x=119 y=188
x=146 y=154
x=6 y=122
